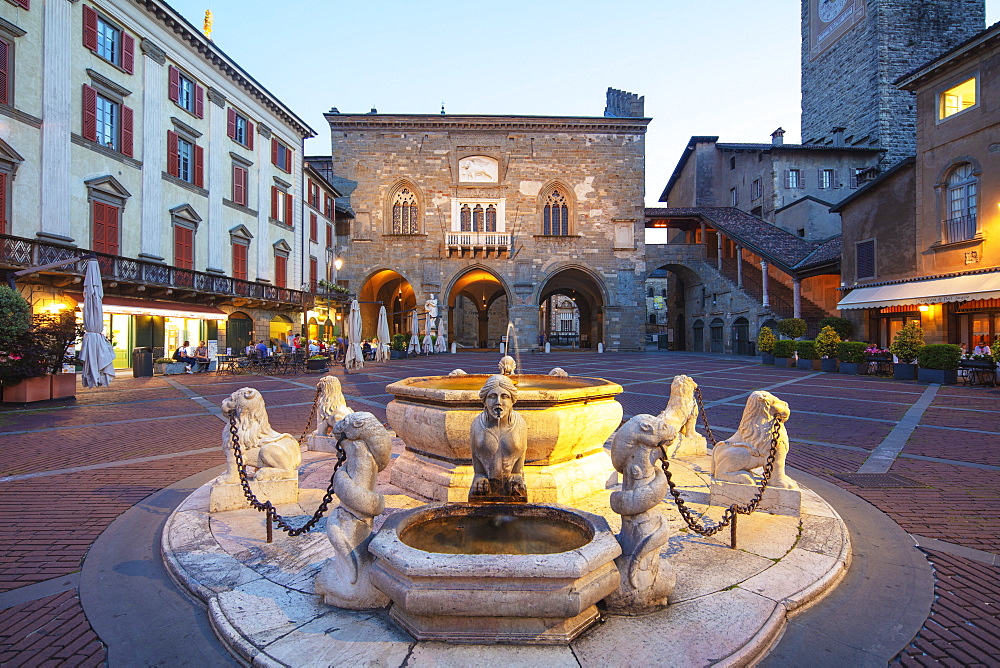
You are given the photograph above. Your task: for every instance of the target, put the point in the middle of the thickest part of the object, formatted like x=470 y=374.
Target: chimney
x=778 y=137
x=838 y=136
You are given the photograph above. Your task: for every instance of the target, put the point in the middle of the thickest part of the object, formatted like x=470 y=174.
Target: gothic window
x=491 y=218
x=960 y=214
x=404 y=212
x=555 y=215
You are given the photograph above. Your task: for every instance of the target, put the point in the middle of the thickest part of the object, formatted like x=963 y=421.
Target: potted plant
x=160 y=365
x=784 y=350
x=765 y=344
x=808 y=355
x=842 y=326
x=793 y=328
x=398 y=346
x=852 y=357
x=826 y=346
x=317 y=363
x=939 y=363
x=906 y=346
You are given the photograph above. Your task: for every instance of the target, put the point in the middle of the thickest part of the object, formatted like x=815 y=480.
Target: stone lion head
x=246 y=407
x=682 y=385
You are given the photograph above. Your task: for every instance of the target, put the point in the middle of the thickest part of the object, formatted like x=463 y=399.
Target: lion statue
x=748 y=448
x=331 y=406
x=344 y=579
x=275 y=456
x=682 y=412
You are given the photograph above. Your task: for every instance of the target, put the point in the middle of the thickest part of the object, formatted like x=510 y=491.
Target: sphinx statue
x=646 y=578
x=507 y=365
x=344 y=581
x=499 y=440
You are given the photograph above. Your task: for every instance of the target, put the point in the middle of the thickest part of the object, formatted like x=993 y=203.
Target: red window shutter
x=313 y=228
x=288 y=208
x=173 y=166
x=249 y=135
x=183 y=247
x=231 y=124
x=199 y=166
x=127 y=130
x=175 y=84
x=280 y=267
x=274 y=151
x=199 y=101
x=3 y=203
x=111 y=216
x=329 y=235
x=4 y=73
x=240 y=262
x=89 y=113
x=128 y=52
x=239 y=185
x=89 y=28
x=25 y=4
x=274 y=202
x=97 y=233
x=312 y=272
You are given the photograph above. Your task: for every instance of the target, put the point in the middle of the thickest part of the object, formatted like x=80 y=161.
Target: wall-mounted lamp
x=923 y=308
x=338 y=264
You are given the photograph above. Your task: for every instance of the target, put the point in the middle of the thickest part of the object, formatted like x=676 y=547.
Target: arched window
x=555 y=215
x=960 y=212
x=491 y=218
x=466 y=216
x=649 y=293
x=405 y=219
x=477 y=218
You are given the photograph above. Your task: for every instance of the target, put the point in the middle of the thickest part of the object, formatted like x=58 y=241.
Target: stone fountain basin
x=477 y=598
x=567 y=417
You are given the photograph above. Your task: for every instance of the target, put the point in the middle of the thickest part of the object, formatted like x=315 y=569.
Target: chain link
x=730 y=514
x=704 y=416
x=266 y=507
x=312 y=415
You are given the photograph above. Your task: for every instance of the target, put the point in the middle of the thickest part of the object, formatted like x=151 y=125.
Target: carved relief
x=478 y=169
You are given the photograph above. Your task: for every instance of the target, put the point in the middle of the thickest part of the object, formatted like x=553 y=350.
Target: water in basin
x=523 y=382
x=495 y=534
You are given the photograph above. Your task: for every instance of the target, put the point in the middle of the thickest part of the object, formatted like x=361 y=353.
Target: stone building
x=920 y=243
x=852 y=53
x=145 y=143
x=495 y=214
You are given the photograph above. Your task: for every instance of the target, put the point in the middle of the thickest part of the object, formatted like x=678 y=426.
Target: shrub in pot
x=784 y=350
x=939 y=363
x=826 y=346
x=398 y=346
x=852 y=357
x=842 y=326
x=765 y=344
x=905 y=346
x=808 y=355
x=793 y=328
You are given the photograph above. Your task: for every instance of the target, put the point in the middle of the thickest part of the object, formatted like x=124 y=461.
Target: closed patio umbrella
x=441 y=345
x=382 y=353
x=355 y=358
x=414 y=346
x=96 y=352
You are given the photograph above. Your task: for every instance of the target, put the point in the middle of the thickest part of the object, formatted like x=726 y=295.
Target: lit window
x=107 y=122
x=962 y=203
x=958 y=98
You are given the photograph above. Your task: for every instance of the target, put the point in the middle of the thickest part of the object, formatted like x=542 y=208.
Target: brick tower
x=852 y=53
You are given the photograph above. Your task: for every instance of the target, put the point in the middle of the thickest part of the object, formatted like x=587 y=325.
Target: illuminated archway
x=389 y=288
x=477 y=309
x=583 y=303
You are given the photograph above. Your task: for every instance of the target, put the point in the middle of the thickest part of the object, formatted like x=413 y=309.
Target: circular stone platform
x=728 y=606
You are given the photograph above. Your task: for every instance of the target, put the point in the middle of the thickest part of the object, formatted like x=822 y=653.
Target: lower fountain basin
x=455 y=595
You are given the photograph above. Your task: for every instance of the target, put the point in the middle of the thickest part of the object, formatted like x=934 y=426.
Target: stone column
x=217 y=181
x=718 y=245
x=58 y=115
x=704 y=234
x=797 y=297
x=765 y=302
x=154 y=152
x=739 y=267
x=265 y=262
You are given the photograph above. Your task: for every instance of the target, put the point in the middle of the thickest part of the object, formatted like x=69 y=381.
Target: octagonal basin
x=542 y=570
x=567 y=417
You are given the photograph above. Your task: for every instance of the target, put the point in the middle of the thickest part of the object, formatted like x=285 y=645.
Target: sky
x=728 y=67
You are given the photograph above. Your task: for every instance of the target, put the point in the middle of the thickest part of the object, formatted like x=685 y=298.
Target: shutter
x=231 y=124
x=4 y=70
x=866 y=259
x=3 y=203
x=820 y=177
x=854 y=179
x=788 y=178
x=173 y=166
x=288 y=208
x=280 y=265
x=329 y=235
x=274 y=202
x=313 y=266
x=111 y=215
x=89 y=113
x=97 y=230
x=127 y=130
x=89 y=28
x=313 y=228
x=239 y=187
x=128 y=52
x=833 y=182
x=199 y=101
x=249 y=135
x=24 y=4
x=274 y=151
x=175 y=84
x=199 y=166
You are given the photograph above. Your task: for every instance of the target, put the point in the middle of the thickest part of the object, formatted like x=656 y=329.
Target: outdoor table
x=228 y=364
x=979 y=373
x=879 y=365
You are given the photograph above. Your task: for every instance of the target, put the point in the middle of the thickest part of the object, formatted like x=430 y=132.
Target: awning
x=124 y=305
x=937 y=291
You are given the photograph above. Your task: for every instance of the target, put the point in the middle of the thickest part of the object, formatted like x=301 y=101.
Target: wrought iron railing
x=961 y=228
x=479 y=239
x=21 y=252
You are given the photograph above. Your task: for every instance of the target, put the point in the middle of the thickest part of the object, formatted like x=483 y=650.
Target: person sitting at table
x=262 y=351
x=313 y=347
x=366 y=349
x=181 y=355
x=982 y=348
x=201 y=356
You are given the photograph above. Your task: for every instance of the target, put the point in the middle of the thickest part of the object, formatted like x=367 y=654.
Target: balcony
x=472 y=244
x=962 y=228
x=131 y=276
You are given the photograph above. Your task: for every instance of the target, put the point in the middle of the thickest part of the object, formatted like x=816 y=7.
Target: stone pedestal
x=776 y=500
x=563 y=483
x=321 y=443
x=688 y=446
x=229 y=496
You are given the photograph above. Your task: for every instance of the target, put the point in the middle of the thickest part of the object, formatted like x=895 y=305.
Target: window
x=185 y=93
x=827 y=178
x=958 y=98
x=104 y=225
x=801 y=232
x=313 y=228
x=734 y=196
x=328 y=206
x=313 y=193
x=649 y=292
x=239 y=129
x=755 y=189
x=329 y=235
x=960 y=217
x=185 y=159
x=405 y=214
x=23 y=4
x=183 y=246
x=107 y=40
x=6 y=70
x=281 y=269
x=240 y=185
x=313 y=268
x=555 y=214
x=107 y=121
x=281 y=156
x=281 y=206
x=732 y=163
x=793 y=178
x=856 y=176
x=865 y=253
x=240 y=260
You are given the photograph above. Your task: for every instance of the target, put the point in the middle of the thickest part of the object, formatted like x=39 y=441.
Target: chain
x=704 y=415
x=729 y=516
x=266 y=506
x=312 y=415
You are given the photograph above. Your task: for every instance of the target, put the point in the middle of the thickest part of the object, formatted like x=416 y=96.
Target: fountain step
x=502 y=630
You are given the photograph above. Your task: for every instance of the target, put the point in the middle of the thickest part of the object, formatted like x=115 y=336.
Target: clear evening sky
x=728 y=67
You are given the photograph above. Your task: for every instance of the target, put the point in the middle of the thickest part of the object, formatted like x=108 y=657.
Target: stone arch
x=682 y=282
x=398 y=216
x=717 y=335
x=741 y=336
x=478 y=303
x=588 y=292
x=390 y=288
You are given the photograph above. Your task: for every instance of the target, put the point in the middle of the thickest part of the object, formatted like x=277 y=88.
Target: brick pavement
x=47 y=523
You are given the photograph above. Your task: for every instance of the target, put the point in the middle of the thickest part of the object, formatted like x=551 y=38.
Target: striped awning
x=936 y=291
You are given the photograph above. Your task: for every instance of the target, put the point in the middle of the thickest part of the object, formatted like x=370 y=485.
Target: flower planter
x=316 y=365
x=828 y=365
x=28 y=390
x=160 y=369
x=784 y=362
x=809 y=365
x=854 y=368
x=940 y=376
x=902 y=371
x=62 y=385
x=766 y=358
